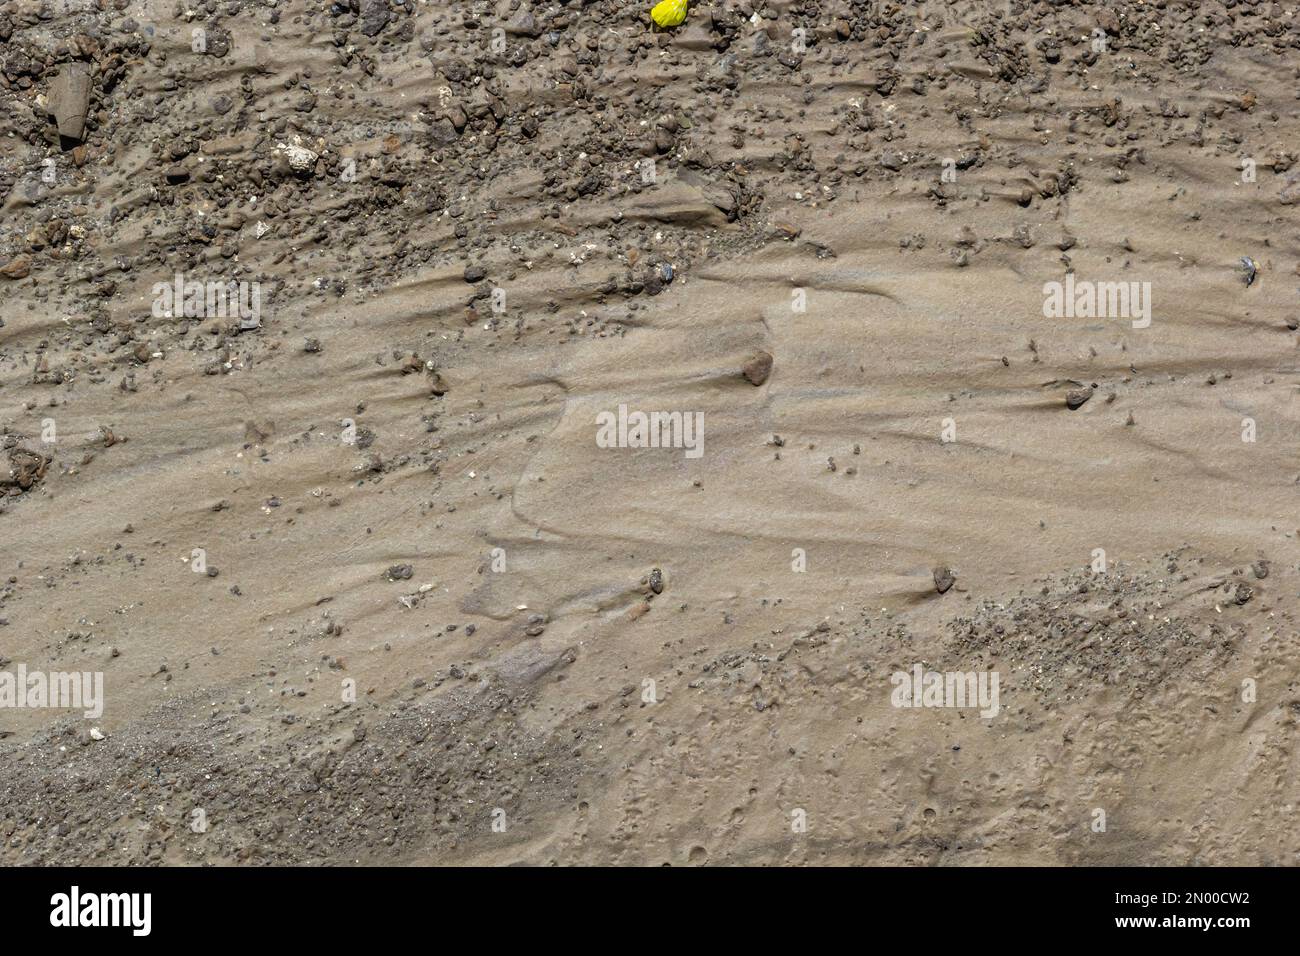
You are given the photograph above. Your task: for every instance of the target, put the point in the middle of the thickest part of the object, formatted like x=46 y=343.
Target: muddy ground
x=363 y=583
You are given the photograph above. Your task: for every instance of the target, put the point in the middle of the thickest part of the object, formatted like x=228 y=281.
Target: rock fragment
x=374 y=16
x=1076 y=397
x=758 y=368
x=26 y=468
x=1249 y=270
x=70 y=100
x=18 y=268
x=443 y=132
x=300 y=159
x=944 y=579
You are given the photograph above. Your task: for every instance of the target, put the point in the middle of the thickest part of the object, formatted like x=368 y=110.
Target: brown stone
x=758 y=368
x=19 y=268
x=26 y=468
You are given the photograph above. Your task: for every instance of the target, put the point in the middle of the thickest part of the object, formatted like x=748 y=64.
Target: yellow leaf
x=669 y=13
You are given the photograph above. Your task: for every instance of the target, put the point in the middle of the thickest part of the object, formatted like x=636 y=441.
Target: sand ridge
x=833 y=248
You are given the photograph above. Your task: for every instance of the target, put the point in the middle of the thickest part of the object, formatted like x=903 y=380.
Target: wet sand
x=397 y=481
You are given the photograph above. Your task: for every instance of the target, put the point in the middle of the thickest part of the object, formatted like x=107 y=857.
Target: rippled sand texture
x=397 y=481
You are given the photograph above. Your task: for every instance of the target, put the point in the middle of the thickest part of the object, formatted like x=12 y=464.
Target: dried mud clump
x=25 y=470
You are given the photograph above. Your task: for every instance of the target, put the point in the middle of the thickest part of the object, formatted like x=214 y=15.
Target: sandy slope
x=521 y=689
